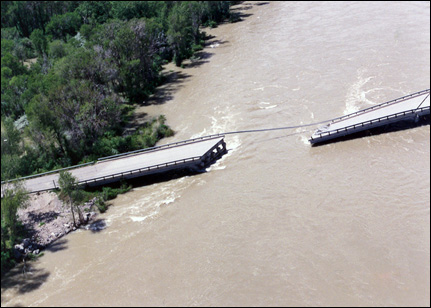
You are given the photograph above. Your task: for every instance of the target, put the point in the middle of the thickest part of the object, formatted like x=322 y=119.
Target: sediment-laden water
x=275 y=221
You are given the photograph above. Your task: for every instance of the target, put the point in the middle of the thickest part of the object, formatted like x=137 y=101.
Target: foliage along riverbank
x=95 y=61
x=72 y=72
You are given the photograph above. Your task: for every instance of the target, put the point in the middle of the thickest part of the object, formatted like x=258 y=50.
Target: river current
x=274 y=222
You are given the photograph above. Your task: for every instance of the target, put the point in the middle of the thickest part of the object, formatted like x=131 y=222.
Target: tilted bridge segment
x=194 y=154
x=409 y=107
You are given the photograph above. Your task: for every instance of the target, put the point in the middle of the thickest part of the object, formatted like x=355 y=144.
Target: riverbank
x=276 y=222
x=47 y=219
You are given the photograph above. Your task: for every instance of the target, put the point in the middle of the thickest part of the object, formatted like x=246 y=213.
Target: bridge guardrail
x=46 y=173
x=116 y=156
x=169 y=145
x=397 y=100
x=158 y=166
x=395 y=115
x=139 y=170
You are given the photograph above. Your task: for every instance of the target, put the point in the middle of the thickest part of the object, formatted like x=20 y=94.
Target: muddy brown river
x=275 y=222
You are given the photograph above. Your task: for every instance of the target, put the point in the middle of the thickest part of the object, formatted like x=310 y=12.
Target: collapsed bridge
x=409 y=107
x=194 y=154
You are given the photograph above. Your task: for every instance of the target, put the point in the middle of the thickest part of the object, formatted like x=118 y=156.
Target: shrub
x=57 y=50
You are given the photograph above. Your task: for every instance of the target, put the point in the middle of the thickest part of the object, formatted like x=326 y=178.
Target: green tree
x=132 y=49
x=13 y=63
x=127 y=10
x=5 y=17
x=180 y=32
x=74 y=95
x=14 y=197
x=44 y=127
x=11 y=150
x=23 y=49
x=94 y=12
x=27 y=16
x=84 y=113
x=57 y=49
x=62 y=26
x=13 y=84
x=71 y=194
x=10 y=138
x=39 y=41
x=13 y=96
x=215 y=11
x=20 y=15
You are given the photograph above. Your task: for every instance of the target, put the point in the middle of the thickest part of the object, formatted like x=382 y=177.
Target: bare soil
x=47 y=218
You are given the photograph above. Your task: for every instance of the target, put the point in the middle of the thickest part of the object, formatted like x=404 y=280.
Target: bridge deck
x=399 y=109
x=159 y=159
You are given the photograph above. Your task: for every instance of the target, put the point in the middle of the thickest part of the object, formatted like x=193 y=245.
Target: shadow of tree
x=200 y=58
x=24 y=278
x=208 y=37
x=238 y=17
x=140 y=117
x=58 y=245
x=171 y=83
x=237 y=14
x=134 y=122
x=96 y=226
x=28 y=228
x=242 y=7
x=43 y=217
x=172 y=80
x=261 y=3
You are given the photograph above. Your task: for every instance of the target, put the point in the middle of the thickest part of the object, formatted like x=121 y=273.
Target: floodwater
x=275 y=222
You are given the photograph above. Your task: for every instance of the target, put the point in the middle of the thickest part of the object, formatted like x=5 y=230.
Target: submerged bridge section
x=408 y=107
x=194 y=154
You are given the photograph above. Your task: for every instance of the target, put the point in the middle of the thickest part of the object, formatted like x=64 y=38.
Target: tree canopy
x=71 y=70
